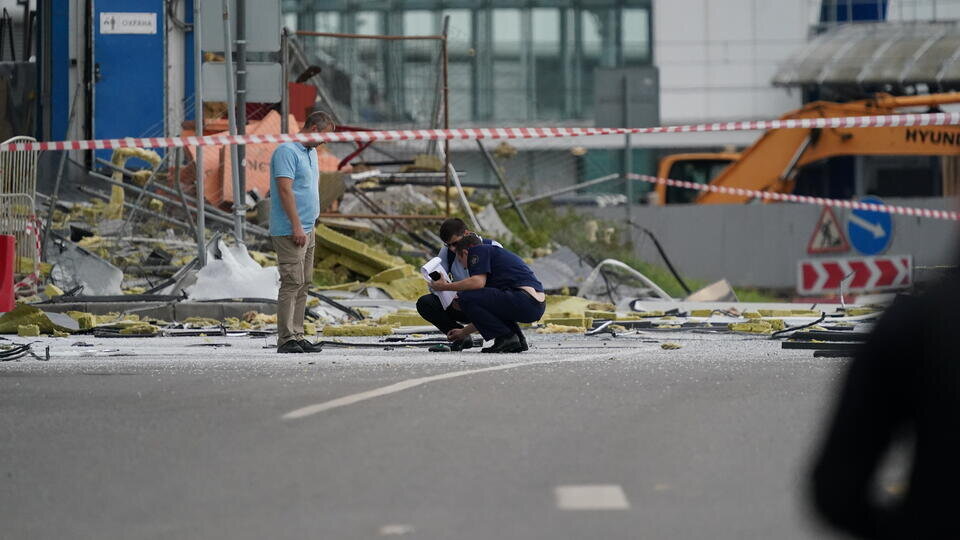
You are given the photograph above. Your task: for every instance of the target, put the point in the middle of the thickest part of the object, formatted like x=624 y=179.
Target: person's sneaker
x=504 y=344
x=291 y=346
x=310 y=347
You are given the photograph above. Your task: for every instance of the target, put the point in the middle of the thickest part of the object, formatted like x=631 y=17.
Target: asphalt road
x=181 y=441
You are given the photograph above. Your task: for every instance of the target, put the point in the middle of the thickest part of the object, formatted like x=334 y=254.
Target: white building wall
x=717 y=58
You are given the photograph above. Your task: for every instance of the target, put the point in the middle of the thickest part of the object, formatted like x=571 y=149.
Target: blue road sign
x=870 y=232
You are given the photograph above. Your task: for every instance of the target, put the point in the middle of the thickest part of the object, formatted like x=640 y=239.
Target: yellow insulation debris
x=26 y=315
x=139 y=329
x=356 y=330
x=201 y=321
x=52 y=291
x=28 y=330
x=403 y=318
x=551 y=328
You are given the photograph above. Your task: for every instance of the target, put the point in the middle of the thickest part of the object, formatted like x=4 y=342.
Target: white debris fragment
x=234 y=275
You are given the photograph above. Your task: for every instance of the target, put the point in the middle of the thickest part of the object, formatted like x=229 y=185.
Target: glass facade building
x=509 y=62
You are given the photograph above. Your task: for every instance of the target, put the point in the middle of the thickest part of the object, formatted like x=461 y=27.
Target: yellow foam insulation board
x=670 y=346
x=395 y=273
x=309 y=328
x=701 y=312
x=85 y=320
x=259 y=319
x=560 y=329
x=758 y=326
x=565 y=304
x=52 y=291
x=201 y=321
x=28 y=330
x=139 y=329
x=601 y=315
x=25 y=315
x=356 y=330
x=355 y=250
x=403 y=318
x=601 y=306
x=775 y=312
x=579 y=322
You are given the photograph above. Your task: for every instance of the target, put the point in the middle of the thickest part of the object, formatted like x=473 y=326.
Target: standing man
x=428 y=305
x=500 y=292
x=294 y=209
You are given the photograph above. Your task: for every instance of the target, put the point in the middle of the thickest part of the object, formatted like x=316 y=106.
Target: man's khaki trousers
x=296 y=273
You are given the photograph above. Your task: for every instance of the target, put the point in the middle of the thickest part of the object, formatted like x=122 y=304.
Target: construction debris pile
x=124 y=263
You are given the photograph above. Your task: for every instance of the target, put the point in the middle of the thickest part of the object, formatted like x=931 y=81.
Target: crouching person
x=501 y=292
x=429 y=306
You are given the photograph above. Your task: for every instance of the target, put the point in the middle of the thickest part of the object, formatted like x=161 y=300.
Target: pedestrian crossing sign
x=828 y=235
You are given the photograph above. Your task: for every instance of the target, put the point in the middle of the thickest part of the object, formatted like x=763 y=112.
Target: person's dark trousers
x=430 y=308
x=496 y=312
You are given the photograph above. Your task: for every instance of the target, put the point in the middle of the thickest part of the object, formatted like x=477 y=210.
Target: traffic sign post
x=828 y=235
x=870 y=232
x=862 y=274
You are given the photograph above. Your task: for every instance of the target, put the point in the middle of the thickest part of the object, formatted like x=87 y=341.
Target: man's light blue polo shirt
x=296 y=161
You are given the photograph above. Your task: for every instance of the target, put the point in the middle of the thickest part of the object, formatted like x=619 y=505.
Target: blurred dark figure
x=905 y=382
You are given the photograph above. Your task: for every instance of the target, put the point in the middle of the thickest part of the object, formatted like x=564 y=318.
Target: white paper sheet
x=436 y=265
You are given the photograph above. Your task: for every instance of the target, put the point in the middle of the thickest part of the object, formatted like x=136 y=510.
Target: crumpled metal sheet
x=562 y=268
x=74 y=266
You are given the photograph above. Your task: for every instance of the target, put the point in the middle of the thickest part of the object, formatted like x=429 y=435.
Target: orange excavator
x=773 y=162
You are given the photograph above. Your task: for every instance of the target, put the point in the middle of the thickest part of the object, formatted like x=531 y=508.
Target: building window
x=460 y=64
x=509 y=75
x=548 y=79
x=635 y=37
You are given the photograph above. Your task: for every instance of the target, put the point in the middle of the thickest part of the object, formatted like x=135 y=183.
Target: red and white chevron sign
x=818 y=276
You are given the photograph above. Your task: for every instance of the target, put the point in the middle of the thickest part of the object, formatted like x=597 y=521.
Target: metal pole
x=628 y=156
x=503 y=184
x=198 y=127
x=438 y=98
x=284 y=91
x=446 y=125
x=242 y=93
x=56 y=186
x=177 y=158
x=238 y=207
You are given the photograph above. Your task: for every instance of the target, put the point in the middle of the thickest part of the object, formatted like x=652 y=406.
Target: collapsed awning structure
x=878 y=56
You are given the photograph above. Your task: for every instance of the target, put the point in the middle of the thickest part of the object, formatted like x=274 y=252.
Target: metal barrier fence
x=18 y=188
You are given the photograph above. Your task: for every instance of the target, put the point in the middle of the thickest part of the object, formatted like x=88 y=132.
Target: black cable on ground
x=14 y=353
x=664 y=255
x=779 y=333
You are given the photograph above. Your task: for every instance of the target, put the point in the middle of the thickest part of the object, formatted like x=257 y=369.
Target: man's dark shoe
x=310 y=347
x=523 y=342
x=292 y=346
x=505 y=344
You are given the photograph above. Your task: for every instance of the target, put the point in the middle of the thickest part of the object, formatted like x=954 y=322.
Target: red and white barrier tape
x=803 y=199
x=893 y=120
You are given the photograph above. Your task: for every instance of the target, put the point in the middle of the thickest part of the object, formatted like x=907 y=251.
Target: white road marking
x=395 y=530
x=310 y=410
x=591 y=497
